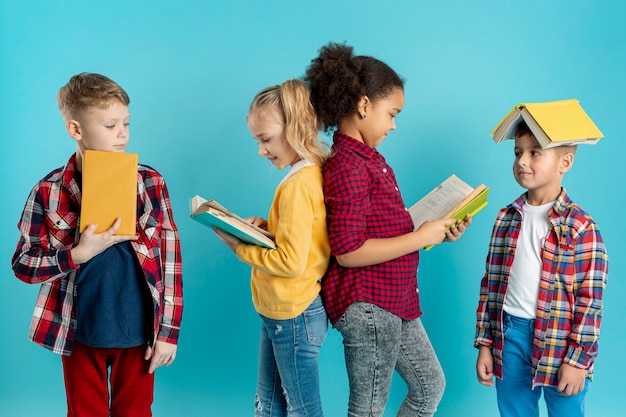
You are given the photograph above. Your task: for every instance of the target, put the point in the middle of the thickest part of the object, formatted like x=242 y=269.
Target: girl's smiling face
x=268 y=129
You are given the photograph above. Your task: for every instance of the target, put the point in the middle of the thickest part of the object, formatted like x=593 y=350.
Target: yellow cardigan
x=286 y=280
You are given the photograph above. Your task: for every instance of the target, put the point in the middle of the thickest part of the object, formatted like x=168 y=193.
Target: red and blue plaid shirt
x=49 y=229
x=569 y=307
x=363 y=202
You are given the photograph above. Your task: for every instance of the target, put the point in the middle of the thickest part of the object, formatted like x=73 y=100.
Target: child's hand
x=91 y=244
x=435 y=232
x=571 y=380
x=229 y=240
x=163 y=354
x=458 y=228
x=258 y=221
x=484 y=366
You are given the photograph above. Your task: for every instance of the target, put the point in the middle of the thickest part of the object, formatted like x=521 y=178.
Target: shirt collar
x=562 y=203
x=67 y=176
x=343 y=141
x=296 y=167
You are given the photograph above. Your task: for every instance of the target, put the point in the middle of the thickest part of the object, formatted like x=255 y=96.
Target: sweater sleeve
x=293 y=202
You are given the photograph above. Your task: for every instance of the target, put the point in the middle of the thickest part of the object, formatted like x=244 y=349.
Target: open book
x=211 y=213
x=554 y=123
x=453 y=198
x=109 y=191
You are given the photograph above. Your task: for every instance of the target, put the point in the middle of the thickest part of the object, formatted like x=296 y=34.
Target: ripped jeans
x=376 y=343
x=288 y=369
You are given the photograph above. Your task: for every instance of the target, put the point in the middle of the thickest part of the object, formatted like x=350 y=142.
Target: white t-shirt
x=523 y=289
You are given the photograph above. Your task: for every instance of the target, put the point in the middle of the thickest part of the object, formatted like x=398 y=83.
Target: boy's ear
x=73 y=128
x=567 y=161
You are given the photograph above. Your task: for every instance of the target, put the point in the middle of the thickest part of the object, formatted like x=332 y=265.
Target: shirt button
x=397 y=189
x=384 y=170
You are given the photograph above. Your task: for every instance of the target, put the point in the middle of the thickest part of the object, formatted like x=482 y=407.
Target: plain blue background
x=191 y=69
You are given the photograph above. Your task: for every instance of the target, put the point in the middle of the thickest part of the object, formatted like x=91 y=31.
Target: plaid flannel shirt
x=363 y=202
x=569 y=306
x=49 y=229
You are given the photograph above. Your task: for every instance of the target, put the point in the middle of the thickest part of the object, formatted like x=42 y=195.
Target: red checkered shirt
x=569 y=307
x=363 y=202
x=49 y=229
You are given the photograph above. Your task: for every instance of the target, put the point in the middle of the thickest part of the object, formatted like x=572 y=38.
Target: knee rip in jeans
x=289 y=407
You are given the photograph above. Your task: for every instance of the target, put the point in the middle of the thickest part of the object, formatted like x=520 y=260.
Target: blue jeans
x=516 y=397
x=288 y=369
x=375 y=343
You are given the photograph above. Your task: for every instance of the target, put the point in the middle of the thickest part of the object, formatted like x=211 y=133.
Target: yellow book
x=554 y=123
x=109 y=191
x=453 y=198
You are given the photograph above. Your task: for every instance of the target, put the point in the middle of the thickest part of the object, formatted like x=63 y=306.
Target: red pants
x=86 y=373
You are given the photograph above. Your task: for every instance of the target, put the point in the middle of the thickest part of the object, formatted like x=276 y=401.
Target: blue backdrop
x=191 y=69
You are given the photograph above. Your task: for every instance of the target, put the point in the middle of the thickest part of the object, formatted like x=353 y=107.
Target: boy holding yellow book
x=106 y=300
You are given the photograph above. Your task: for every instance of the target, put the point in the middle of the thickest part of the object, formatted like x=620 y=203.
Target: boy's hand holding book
x=92 y=243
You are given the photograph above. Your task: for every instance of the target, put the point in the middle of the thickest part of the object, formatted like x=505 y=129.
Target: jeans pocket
x=316 y=324
x=507 y=326
x=341 y=323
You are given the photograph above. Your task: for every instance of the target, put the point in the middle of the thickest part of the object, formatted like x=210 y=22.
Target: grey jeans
x=375 y=343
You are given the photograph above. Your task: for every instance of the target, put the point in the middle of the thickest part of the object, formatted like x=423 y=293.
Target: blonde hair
x=292 y=99
x=86 y=90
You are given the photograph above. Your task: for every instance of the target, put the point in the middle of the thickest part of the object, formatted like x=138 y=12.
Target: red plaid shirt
x=574 y=272
x=363 y=202
x=49 y=229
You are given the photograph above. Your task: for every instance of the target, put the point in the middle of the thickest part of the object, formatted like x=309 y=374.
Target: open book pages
x=438 y=203
x=211 y=213
x=453 y=198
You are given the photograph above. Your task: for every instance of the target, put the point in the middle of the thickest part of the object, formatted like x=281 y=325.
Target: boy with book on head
x=540 y=308
x=109 y=304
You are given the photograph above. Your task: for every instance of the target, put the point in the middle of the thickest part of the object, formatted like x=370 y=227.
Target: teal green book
x=212 y=214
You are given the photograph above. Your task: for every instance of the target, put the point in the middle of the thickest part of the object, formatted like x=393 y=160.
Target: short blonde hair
x=292 y=99
x=86 y=90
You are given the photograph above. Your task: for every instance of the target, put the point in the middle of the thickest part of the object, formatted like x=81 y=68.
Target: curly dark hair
x=338 y=79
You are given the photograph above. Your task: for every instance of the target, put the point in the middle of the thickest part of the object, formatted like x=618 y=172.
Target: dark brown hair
x=338 y=79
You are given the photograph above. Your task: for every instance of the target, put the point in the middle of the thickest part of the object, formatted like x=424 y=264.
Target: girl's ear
x=73 y=128
x=363 y=106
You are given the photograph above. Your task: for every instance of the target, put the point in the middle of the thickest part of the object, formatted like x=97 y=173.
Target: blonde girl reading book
x=286 y=280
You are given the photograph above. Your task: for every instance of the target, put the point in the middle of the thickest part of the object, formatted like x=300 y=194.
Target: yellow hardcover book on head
x=109 y=191
x=554 y=123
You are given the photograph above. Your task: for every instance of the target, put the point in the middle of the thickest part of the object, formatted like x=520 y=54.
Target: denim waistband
x=518 y=321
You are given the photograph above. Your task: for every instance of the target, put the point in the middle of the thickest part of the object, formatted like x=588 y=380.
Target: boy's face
x=539 y=170
x=101 y=129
